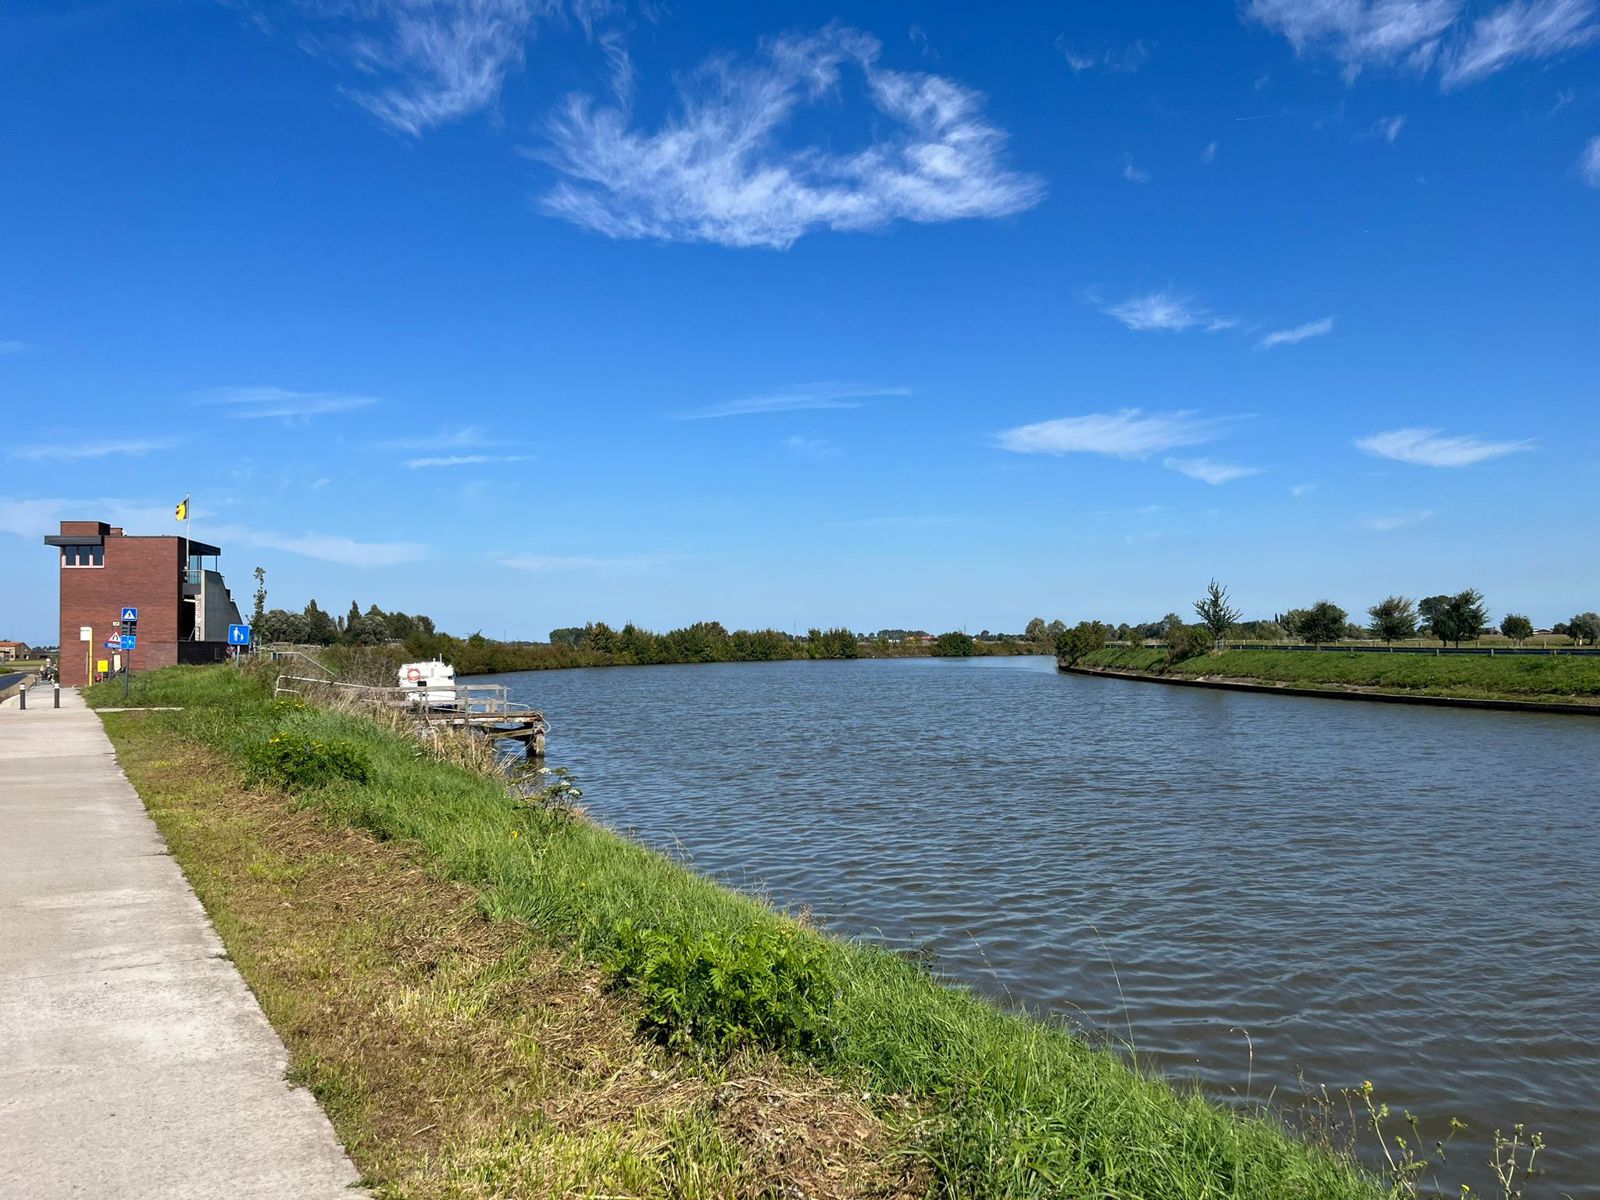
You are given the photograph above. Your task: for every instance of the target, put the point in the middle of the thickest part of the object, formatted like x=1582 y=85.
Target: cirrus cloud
x=1431 y=448
x=1129 y=433
x=1209 y=470
x=723 y=170
x=1425 y=36
x=1289 y=337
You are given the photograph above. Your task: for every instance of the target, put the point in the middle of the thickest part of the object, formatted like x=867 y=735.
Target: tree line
x=409 y=636
x=1450 y=618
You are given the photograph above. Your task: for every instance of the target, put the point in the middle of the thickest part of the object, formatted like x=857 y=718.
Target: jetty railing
x=482 y=708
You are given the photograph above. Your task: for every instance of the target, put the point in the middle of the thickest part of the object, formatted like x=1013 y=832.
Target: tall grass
x=1013 y=1106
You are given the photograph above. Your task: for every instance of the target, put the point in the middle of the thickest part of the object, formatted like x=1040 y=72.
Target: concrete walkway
x=134 y=1062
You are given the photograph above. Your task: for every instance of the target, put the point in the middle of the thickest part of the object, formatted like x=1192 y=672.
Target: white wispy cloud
x=1431 y=448
x=1388 y=522
x=1429 y=35
x=577 y=562
x=1118 y=60
x=1521 y=29
x=428 y=62
x=1208 y=155
x=259 y=403
x=1126 y=434
x=1209 y=470
x=1589 y=163
x=1302 y=489
x=465 y=460
x=465 y=437
x=32 y=518
x=68 y=450
x=719 y=171
x=1167 y=311
x=795 y=399
x=328 y=547
x=12 y=346
x=1132 y=173
x=1288 y=337
x=1388 y=128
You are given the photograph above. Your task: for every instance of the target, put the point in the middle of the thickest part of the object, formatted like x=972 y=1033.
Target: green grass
x=1010 y=1106
x=1561 y=678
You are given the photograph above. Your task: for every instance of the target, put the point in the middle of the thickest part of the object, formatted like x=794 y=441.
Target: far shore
x=1508 y=682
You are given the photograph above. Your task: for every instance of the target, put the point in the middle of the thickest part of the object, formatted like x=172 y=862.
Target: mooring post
x=535 y=745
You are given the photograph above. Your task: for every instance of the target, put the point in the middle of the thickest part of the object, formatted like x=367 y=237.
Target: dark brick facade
x=145 y=572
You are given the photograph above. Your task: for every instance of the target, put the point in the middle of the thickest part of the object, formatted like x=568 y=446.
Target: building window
x=83 y=556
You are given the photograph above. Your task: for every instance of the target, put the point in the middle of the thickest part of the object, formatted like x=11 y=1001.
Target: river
x=1249 y=889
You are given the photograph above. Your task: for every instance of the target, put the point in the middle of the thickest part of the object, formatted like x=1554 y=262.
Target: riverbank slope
x=408 y=921
x=1526 y=679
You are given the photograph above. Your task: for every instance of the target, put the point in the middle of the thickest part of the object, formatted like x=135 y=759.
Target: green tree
x=954 y=645
x=569 y=635
x=260 y=609
x=1466 y=614
x=1187 y=641
x=600 y=638
x=276 y=625
x=1320 y=624
x=1585 y=627
x=1036 y=631
x=320 y=629
x=1215 y=613
x=1433 y=616
x=1393 y=619
x=347 y=628
x=1083 y=638
x=1516 y=627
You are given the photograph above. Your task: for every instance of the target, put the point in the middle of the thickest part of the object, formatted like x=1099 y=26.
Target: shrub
x=1188 y=641
x=296 y=761
x=767 y=985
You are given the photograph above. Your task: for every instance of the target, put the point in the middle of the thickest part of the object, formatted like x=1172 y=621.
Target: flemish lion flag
x=182 y=511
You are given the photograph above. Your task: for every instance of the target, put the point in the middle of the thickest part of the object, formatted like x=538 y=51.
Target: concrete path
x=134 y=1062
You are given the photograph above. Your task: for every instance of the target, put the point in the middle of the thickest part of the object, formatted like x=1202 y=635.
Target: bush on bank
x=1012 y=1107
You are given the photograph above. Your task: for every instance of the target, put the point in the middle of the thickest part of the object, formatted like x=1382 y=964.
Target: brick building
x=185 y=608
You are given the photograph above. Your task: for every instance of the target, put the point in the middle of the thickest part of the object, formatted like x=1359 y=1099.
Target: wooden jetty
x=481 y=708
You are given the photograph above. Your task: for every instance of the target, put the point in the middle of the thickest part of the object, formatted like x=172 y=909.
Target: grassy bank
x=1560 y=679
x=458 y=974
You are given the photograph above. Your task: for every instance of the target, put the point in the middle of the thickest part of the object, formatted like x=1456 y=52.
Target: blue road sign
x=130 y=614
x=238 y=635
x=114 y=643
x=130 y=641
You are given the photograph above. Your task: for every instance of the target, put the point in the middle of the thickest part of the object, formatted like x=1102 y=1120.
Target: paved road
x=134 y=1062
x=11 y=677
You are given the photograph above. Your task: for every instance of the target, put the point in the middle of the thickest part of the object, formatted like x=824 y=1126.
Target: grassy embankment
x=1560 y=679
x=440 y=957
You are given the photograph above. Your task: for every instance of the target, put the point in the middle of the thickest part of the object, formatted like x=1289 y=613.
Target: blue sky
x=528 y=313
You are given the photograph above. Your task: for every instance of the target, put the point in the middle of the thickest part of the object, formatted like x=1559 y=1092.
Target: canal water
x=1251 y=890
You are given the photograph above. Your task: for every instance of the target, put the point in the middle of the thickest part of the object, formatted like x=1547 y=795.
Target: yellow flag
x=182 y=511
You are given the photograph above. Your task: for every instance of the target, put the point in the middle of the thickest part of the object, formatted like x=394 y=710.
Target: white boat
x=433 y=684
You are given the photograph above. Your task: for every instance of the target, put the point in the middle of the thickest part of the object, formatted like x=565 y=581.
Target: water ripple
x=1403 y=895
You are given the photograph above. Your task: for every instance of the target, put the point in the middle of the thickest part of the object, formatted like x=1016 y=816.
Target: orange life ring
x=413 y=674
